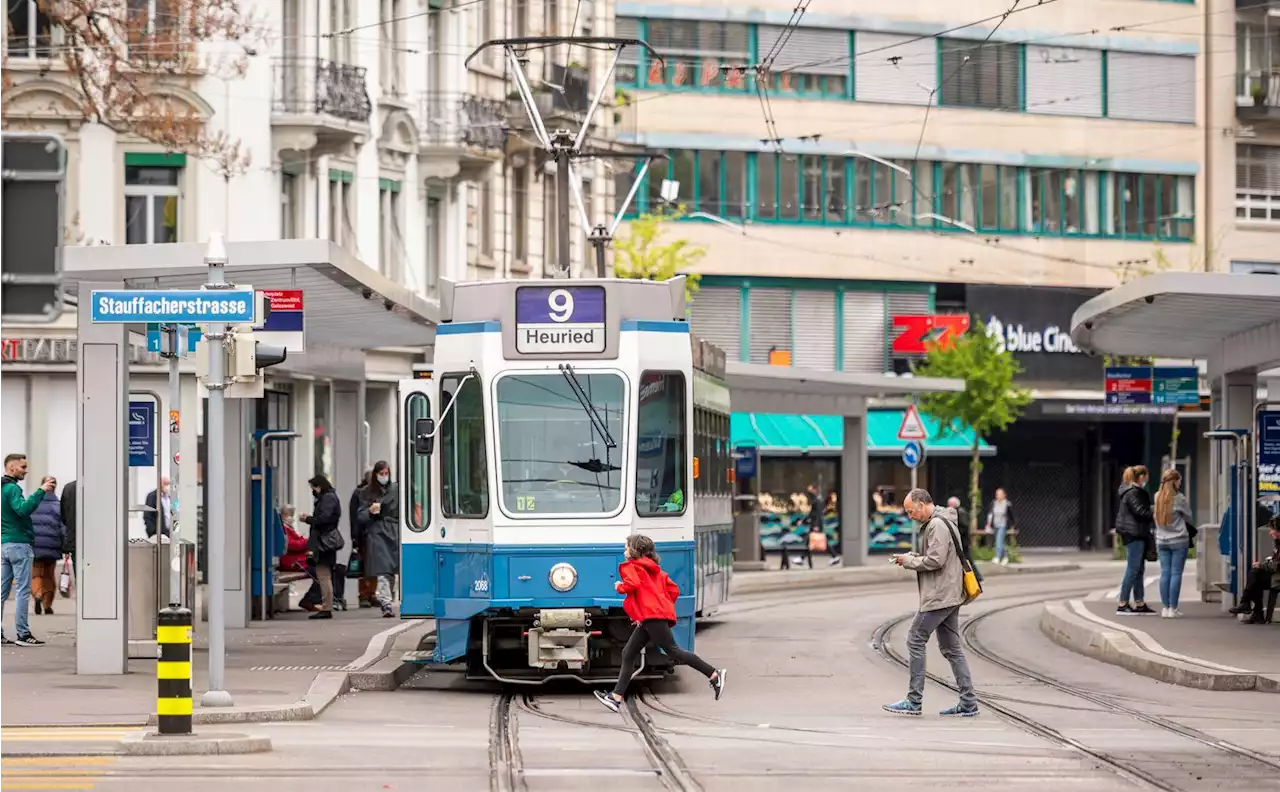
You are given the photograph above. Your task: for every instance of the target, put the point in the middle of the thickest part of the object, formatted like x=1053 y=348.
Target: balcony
x=461 y=134
x=1258 y=95
x=318 y=106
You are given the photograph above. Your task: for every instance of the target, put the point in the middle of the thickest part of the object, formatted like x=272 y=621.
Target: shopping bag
x=818 y=541
x=65 y=579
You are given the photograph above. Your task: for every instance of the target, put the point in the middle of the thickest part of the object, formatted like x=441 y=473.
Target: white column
x=347 y=435
x=102 y=532
x=304 y=448
x=380 y=407
x=237 y=590
x=38 y=421
x=188 y=487
x=854 y=496
x=101 y=188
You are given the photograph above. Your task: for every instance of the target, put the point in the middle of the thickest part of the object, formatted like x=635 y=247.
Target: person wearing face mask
x=159 y=501
x=379 y=521
x=325 y=540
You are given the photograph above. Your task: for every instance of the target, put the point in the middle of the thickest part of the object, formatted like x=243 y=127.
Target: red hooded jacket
x=650 y=592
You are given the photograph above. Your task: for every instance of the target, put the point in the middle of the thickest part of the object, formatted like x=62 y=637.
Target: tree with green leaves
x=642 y=254
x=989 y=402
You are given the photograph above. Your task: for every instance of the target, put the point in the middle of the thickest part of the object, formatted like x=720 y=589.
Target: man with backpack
x=939 y=568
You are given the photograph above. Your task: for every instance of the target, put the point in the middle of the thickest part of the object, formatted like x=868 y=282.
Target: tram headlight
x=563 y=577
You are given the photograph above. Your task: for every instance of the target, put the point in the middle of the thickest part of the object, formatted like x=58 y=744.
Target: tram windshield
x=553 y=457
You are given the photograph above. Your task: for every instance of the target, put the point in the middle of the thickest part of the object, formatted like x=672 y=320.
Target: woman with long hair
x=1173 y=539
x=1133 y=526
x=379 y=520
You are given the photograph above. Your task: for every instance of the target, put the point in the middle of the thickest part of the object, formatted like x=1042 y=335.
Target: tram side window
x=726 y=458
x=700 y=449
x=662 y=479
x=464 y=469
x=417 y=466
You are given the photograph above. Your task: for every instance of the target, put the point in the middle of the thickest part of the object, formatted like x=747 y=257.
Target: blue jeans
x=1172 y=559
x=1135 y=566
x=1002 y=532
x=15 y=567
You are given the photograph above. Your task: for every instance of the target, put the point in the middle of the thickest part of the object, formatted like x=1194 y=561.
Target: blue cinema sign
x=198 y=306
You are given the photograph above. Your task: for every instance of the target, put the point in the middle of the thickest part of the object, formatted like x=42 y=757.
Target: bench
x=1272 y=593
x=280 y=589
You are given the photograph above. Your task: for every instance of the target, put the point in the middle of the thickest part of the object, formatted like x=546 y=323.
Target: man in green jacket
x=16 y=538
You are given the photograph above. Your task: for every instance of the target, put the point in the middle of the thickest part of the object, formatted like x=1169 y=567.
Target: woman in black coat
x=379 y=521
x=1134 y=526
x=325 y=540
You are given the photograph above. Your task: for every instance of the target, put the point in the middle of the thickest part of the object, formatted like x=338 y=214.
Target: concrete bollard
x=173 y=671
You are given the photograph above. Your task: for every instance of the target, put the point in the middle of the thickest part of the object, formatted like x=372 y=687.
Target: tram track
x=1131 y=770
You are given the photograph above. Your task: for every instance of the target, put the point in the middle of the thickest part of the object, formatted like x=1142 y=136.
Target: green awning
x=824 y=434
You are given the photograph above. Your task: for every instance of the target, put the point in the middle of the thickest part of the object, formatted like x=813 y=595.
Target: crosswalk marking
x=52 y=772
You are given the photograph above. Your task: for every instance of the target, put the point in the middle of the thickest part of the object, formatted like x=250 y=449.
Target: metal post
x=915 y=526
x=217 y=695
x=562 y=145
x=599 y=239
x=173 y=671
x=177 y=345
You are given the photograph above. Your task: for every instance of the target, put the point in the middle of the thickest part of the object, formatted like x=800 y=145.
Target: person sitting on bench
x=1259 y=582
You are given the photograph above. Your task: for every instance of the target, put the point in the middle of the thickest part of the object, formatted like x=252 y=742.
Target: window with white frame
x=342 y=210
x=485 y=10
x=290 y=204
x=1257 y=182
x=155 y=26
x=434 y=237
x=391 y=33
x=520 y=212
x=342 y=15
x=551 y=228
x=152 y=204
x=485 y=225
x=30 y=33
x=389 y=228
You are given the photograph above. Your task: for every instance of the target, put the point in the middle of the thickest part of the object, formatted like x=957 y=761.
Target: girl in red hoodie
x=651 y=604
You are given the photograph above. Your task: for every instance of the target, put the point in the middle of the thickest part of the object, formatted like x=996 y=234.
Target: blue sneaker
x=960 y=711
x=904 y=707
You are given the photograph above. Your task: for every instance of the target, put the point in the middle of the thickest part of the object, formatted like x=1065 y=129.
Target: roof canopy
x=1231 y=320
x=348 y=305
x=783 y=434
x=786 y=389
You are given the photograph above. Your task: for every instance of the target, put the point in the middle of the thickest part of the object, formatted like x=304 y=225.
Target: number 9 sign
x=560 y=303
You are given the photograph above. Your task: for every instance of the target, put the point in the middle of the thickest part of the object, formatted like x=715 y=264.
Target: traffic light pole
x=176 y=336
x=215 y=478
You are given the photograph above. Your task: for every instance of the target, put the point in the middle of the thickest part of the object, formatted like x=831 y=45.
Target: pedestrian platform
x=270 y=667
x=1206 y=648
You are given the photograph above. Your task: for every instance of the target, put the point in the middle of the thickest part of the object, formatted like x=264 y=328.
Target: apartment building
x=1244 y=139
x=898 y=161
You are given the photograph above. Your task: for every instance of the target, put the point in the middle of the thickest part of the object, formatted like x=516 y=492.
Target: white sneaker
x=1166 y=613
x=1004 y=561
x=1174 y=613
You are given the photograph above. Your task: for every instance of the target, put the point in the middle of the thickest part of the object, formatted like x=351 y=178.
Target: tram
x=558 y=418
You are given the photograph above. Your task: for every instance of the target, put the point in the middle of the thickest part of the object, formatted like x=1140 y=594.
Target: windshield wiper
x=596 y=466
x=572 y=379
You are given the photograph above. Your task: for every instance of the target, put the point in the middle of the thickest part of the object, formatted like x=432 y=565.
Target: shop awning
x=782 y=434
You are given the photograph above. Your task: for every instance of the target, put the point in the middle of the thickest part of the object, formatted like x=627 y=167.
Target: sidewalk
x=879 y=570
x=1206 y=648
x=271 y=668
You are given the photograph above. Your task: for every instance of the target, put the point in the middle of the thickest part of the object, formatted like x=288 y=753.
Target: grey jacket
x=939 y=573
x=1176 y=533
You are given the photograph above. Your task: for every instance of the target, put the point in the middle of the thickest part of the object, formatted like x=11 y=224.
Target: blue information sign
x=1175 y=385
x=746 y=460
x=235 y=306
x=1269 y=454
x=142 y=434
x=560 y=320
x=913 y=453
x=154 y=333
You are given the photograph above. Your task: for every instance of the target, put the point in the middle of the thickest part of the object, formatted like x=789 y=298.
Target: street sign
x=284 y=323
x=566 y=320
x=1147 y=385
x=154 y=333
x=198 y=306
x=34 y=170
x=142 y=434
x=913 y=454
x=746 y=460
x=912 y=426
x=1269 y=454
x=1128 y=385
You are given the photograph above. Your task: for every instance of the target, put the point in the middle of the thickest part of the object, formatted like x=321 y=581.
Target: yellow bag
x=972 y=586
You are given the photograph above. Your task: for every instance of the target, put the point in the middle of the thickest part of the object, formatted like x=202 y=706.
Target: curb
x=151 y=744
x=1071 y=631
x=847 y=578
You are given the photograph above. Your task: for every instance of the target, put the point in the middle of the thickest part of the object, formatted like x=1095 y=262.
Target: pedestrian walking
x=50 y=537
x=379 y=521
x=1134 y=523
x=940 y=577
x=159 y=501
x=1173 y=520
x=1259 y=579
x=325 y=540
x=367 y=586
x=650 y=602
x=1000 y=521
x=17 y=537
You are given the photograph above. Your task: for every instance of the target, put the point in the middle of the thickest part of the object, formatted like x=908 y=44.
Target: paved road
x=802 y=712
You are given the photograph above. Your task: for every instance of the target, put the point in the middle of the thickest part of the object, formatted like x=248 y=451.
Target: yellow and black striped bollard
x=173 y=671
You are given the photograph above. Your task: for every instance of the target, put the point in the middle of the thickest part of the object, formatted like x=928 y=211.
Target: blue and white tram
x=560 y=417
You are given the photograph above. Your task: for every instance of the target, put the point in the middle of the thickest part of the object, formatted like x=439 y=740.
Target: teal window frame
x=1020 y=180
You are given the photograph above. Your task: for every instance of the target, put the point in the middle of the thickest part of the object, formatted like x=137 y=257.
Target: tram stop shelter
x=1230 y=321
x=349 y=309
x=758 y=388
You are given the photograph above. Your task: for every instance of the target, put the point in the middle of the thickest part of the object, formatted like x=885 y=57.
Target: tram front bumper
x=558 y=639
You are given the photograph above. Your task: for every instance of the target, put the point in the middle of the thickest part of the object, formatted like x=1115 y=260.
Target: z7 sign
x=913 y=335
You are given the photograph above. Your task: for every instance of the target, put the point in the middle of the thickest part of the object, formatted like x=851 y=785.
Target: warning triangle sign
x=912 y=427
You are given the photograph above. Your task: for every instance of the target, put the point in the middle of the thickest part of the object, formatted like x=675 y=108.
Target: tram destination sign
x=563 y=320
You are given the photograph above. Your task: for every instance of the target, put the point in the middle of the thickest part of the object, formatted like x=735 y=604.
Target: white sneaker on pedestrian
x=1174 y=613
x=1166 y=613
x=1004 y=561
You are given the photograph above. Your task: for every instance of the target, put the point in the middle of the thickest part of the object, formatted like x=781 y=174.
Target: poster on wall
x=1269 y=459
x=784 y=522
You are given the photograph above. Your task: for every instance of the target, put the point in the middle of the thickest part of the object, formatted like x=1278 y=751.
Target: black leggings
x=655 y=631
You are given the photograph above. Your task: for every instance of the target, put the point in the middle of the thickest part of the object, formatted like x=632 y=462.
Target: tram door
x=417 y=546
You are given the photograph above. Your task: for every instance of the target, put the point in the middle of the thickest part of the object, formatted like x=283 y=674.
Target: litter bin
x=1209 y=563
x=149 y=591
